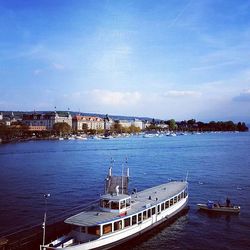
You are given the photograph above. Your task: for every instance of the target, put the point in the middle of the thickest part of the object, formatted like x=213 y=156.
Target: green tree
x=61 y=128
x=133 y=129
x=172 y=124
x=116 y=127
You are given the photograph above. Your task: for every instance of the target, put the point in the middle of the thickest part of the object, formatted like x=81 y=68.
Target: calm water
x=73 y=173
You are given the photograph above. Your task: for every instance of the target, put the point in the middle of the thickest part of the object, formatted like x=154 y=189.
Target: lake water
x=73 y=173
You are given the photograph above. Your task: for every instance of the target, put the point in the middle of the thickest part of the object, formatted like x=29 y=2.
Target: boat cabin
x=119 y=203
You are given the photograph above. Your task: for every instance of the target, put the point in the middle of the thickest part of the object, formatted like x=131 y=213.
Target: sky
x=163 y=59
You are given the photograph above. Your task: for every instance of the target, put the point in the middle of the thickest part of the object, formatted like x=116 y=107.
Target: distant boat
x=149 y=135
x=60 y=138
x=107 y=137
x=79 y=137
x=216 y=207
x=173 y=134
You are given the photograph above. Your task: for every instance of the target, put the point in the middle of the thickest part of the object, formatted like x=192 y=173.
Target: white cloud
x=108 y=97
x=58 y=66
x=181 y=93
x=37 y=71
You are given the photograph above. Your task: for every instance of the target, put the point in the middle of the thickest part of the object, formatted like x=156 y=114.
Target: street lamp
x=46 y=196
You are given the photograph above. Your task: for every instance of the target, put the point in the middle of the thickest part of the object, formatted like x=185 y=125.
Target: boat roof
x=115 y=197
x=139 y=202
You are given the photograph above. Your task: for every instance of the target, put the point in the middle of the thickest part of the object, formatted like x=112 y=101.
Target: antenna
x=122 y=177
x=46 y=196
x=187 y=176
x=127 y=166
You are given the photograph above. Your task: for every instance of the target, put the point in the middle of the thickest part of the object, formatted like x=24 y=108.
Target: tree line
x=192 y=125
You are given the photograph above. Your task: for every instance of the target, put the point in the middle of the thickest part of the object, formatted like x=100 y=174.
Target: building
x=138 y=123
x=7 y=118
x=47 y=120
x=37 y=128
x=80 y=123
x=125 y=123
x=107 y=123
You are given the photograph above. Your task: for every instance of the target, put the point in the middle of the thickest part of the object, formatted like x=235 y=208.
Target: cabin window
x=171 y=202
x=153 y=210
x=185 y=193
x=139 y=217
x=145 y=215
x=127 y=222
x=175 y=199
x=162 y=206
x=149 y=213
x=158 y=209
x=95 y=230
x=117 y=225
x=166 y=204
x=182 y=195
x=107 y=228
x=115 y=205
x=105 y=204
x=134 y=220
x=122 y=204
x=179 y=197
x=128 y=203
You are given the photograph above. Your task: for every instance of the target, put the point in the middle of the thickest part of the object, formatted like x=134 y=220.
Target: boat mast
x=46 y=196
x=122 y=177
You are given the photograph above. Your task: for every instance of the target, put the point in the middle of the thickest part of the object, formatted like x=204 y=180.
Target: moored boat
x=120 y=216
x=211 y=206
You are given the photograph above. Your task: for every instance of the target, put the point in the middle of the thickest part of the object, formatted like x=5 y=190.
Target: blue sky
x=164 y=59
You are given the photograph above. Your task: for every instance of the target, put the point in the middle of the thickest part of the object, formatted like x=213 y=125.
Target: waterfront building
x=135 y=122
x=138 y=123
x=7 y=118
x=80 y=123
x=47 y=120
x=107 y=123
x=146 y=124
x=125 y=123
x=37 y=128
x=163 y=126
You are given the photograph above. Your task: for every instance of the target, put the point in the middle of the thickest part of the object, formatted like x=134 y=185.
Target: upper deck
x=139 y=201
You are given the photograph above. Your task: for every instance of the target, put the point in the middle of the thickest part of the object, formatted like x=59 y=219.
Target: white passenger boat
x=120 y=216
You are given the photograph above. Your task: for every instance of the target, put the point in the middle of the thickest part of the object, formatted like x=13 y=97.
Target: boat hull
x=221 y=209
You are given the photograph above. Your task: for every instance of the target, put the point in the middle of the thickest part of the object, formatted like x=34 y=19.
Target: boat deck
x=139 y=201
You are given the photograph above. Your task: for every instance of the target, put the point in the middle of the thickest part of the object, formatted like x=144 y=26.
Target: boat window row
x=133 y=219
x=146 y=214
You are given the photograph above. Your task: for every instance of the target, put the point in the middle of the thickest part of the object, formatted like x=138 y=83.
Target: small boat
x=80 y=137
x=216 y=207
